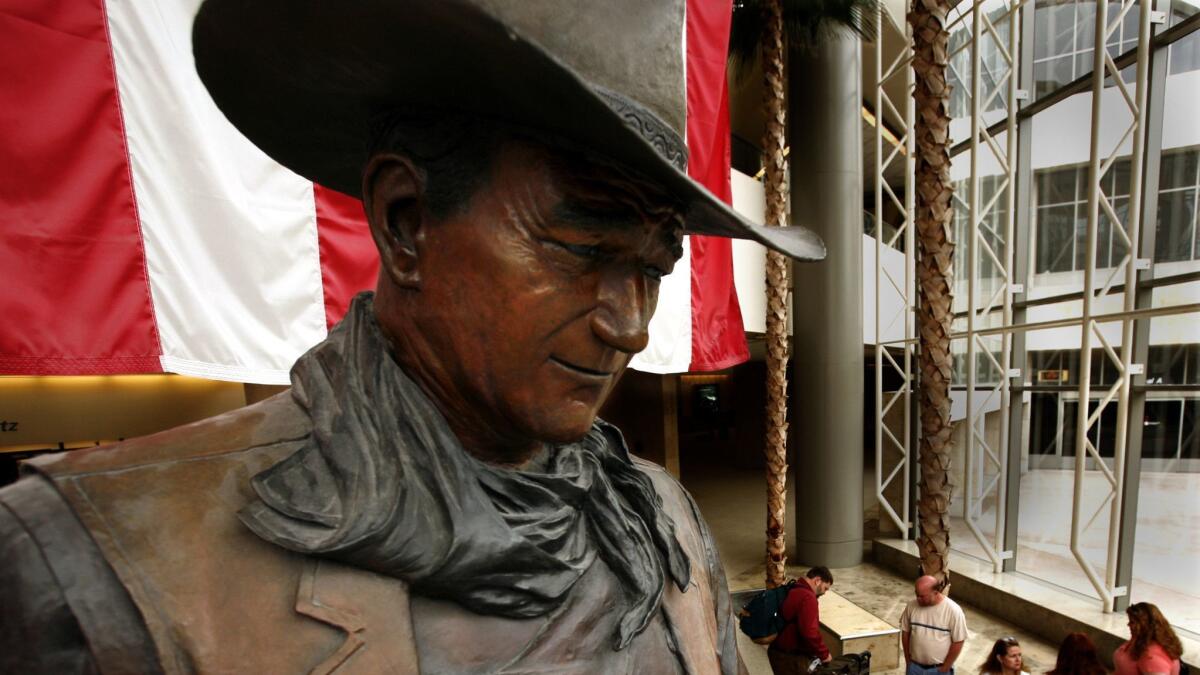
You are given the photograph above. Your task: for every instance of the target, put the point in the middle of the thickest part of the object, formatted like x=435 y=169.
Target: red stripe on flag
x=349 y=260
x=76 y=299
x=718 y=336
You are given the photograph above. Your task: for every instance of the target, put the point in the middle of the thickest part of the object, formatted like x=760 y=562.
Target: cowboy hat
x=303 y=80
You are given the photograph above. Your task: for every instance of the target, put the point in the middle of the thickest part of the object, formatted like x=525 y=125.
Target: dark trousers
x=783 y=663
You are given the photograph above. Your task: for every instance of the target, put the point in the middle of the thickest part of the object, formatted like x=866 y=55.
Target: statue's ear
x=394 y=197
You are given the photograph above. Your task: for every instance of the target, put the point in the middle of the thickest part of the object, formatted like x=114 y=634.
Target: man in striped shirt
x=933 y=630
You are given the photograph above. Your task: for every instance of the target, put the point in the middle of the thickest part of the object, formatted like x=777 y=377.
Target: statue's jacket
x=143 y=557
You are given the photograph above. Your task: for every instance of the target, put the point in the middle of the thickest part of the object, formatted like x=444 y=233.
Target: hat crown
x=306 y=81
x=629 y=46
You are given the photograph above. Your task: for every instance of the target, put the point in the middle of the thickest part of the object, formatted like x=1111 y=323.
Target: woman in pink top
x=1152 y=648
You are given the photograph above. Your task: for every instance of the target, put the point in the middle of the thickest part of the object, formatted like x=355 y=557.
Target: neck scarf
x=383 y=484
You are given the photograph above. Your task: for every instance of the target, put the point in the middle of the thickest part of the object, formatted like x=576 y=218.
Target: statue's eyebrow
x=599 y=219
x=593 y=217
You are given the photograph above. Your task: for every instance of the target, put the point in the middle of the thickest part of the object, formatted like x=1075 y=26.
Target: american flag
x=141 y=233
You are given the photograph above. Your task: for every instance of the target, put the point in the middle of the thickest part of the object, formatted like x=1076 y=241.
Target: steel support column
x=1022 y=227
x=826 y=424
x=1127 y=525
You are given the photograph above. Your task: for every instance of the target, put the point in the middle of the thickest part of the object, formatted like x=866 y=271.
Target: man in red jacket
x=800 y=642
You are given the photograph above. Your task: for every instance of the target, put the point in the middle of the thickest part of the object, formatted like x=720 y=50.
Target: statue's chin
x=565 y=429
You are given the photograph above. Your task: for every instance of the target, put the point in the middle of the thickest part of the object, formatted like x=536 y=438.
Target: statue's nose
x=622 y=312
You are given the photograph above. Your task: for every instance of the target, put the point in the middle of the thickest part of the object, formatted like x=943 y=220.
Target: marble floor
x=733 y=503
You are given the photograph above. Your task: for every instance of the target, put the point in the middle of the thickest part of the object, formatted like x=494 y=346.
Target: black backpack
x=846 y=664
x=760 y=619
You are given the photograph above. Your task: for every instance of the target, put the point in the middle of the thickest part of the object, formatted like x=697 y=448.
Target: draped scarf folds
x=383 y=484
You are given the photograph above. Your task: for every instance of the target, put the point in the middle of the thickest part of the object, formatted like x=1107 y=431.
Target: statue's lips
x=592 y=375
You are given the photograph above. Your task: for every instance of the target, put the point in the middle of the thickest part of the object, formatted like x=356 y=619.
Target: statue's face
x=540 y=291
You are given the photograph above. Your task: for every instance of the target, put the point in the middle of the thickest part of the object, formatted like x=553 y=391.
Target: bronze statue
x=435 y=493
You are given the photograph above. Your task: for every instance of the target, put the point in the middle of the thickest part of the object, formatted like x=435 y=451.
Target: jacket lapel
x=371 y=609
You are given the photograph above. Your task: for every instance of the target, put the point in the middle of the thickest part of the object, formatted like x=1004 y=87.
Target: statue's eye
x=581 y=250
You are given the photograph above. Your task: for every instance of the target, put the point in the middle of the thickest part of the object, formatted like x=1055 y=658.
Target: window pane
x=1166 y=547
x=1182 y=10
x=1052 y=74
x=1055 y=234
x=1129 y=29
x=1070 y=363
x=1104 y=373
x=1048 y=360
x=1044 y=523
x=1054 y=30
x=1160 y=429
x=1192 y=371
x=1189 y=446
x=1176 y=221
x=1081 y=236
x=1117 y=248
x=1116 y=181
x=986 y=371
x=1103 y=432
x=1104 y=236
x=1184 y=55
x=1085 y=25
x=1056 y=187
x=1178 y=169
x=1043 y=423
x=1166 y=364
x=1067 y=425
x=1195 y=239
x=1125 y=37
x=1083 y=64
x=1082 y=173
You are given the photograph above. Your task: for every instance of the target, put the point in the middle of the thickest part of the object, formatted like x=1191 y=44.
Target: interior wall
x=643 y=407
x=39 y=414
x=49 y=412
x=663 y=421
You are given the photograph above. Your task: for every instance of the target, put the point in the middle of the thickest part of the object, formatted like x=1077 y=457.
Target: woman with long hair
x=1153 y=648
x=1005 y=659
x=1077 y=656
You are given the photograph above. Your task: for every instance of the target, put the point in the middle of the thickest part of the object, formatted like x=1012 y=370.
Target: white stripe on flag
x=670 y=348
x=230 y=235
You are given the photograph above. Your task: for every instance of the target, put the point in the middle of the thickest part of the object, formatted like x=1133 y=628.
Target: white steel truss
x=986 y=467
x=1128 y=230
x=896 y=437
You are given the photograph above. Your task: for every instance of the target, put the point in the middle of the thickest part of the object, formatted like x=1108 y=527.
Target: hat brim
x=305 y=89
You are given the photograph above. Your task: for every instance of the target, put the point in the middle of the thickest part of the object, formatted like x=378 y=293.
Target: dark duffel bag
x=846 y=664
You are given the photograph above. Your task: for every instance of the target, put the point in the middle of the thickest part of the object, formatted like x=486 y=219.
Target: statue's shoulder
x=666 y=484
x=273 y=422
x=705 y=608
x=677 y=502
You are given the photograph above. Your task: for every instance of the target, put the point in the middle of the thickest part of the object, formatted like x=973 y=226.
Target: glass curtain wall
x=1162 y=441
x=981 y=286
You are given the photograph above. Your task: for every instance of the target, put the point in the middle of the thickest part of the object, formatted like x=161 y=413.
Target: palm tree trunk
x=935 y=268
x=776 y=188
